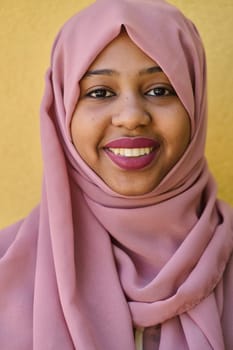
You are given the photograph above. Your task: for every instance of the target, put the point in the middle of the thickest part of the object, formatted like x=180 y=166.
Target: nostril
x=131 y=118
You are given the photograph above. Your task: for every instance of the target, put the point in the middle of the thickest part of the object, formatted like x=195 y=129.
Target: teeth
x=131 y=152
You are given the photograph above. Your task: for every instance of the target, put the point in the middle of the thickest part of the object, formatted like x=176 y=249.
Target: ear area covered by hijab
x=94 y=265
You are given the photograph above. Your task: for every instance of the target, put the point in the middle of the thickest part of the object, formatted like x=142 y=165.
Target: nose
x=132 y=114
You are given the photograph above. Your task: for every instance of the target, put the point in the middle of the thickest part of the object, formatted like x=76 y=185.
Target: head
x=129 y=124
x=133 y=95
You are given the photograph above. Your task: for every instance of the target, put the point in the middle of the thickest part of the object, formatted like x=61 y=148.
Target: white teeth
x=131 y=152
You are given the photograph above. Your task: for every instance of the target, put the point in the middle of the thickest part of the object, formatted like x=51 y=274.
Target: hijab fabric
x=88 y=265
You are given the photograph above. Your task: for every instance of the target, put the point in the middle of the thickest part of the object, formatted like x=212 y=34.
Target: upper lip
x=132 y=142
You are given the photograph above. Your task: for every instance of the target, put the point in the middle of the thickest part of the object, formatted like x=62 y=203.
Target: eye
x=100 y=93
x=161 y=91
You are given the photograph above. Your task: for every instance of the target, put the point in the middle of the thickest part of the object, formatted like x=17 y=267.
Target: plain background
x=27 y=31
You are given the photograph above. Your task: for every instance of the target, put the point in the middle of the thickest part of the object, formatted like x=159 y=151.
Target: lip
x=132 y=163
x=132 y=142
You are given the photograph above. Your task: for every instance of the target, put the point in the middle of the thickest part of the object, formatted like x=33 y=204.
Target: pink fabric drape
x=88 y=265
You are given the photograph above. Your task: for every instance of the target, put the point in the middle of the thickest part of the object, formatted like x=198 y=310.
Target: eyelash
x=161 y=92
x=167 y=91
x=100 y=90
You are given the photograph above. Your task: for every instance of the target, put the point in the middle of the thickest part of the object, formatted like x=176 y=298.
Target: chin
x=135 y=190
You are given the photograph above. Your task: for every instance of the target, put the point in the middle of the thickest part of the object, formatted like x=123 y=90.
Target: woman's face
x=129 y=125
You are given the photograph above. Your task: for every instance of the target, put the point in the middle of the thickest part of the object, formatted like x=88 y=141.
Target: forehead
x=123 y=52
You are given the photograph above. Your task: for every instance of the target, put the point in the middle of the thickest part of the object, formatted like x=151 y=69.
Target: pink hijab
x=88 y=265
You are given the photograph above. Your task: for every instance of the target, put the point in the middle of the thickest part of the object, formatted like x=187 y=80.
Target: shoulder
x=25 y=229
x=227 y=315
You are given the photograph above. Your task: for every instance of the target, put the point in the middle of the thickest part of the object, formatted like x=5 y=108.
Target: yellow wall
x=27 y=30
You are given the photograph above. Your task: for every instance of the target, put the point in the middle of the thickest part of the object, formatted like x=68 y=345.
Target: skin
x=120 y=97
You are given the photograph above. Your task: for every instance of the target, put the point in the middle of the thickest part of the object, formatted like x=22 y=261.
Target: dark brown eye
x=160 y=91
x=100 y=93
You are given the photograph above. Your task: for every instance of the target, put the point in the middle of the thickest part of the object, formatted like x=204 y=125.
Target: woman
x=129 y=247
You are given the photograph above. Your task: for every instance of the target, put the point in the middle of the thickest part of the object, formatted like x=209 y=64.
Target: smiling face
x=129 y=125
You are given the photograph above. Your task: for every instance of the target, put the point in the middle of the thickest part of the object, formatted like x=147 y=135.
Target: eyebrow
x=150 y=70
x=99 y=72
x=110 y=72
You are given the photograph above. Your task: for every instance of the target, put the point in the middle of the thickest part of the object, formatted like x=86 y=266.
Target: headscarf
x=88 y=265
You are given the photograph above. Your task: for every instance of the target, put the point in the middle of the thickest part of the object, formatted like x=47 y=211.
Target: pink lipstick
x=132 y=153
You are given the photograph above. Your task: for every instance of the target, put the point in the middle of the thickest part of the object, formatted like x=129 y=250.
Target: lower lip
x=132 y=163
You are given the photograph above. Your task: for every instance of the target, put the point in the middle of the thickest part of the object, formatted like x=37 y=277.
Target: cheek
x=79 y=132
x=176 y=131
x=185 y=128
x=86 y=135
x=75 y=131
x=82 y=124
x=182 y=132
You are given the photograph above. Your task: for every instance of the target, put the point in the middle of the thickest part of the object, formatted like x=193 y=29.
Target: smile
x=131 y=152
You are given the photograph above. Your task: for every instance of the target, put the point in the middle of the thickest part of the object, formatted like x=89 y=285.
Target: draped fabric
x=88 y=266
